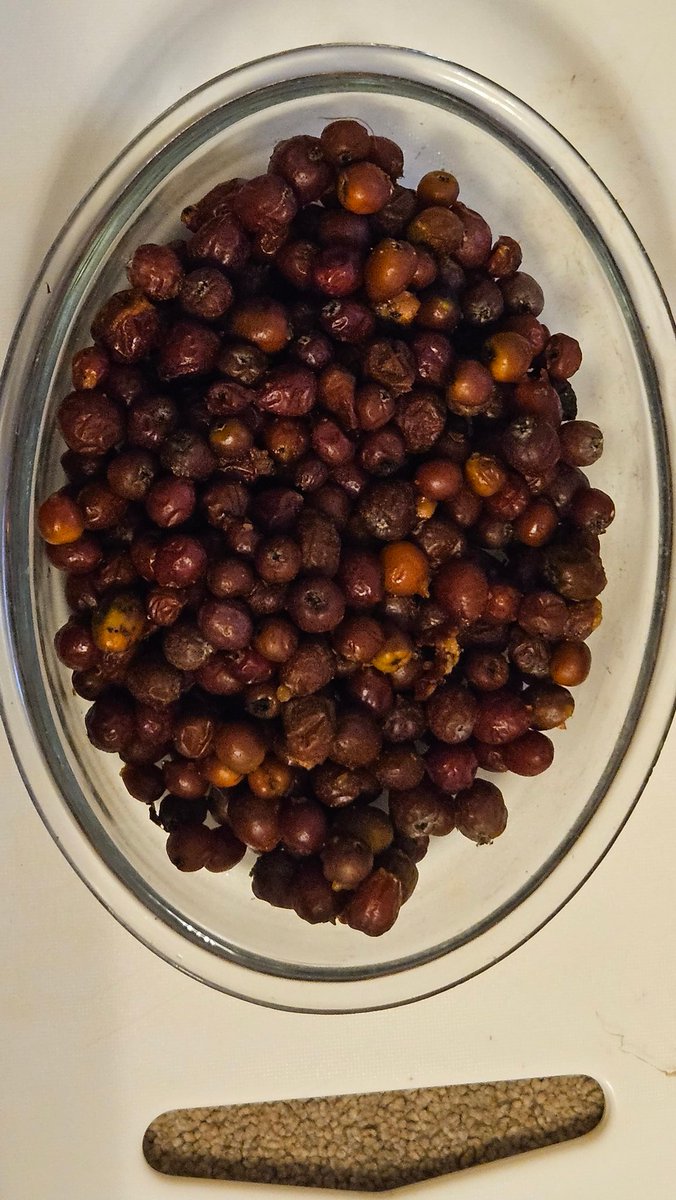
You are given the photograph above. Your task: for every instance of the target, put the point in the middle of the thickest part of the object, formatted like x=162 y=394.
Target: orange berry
x=484 y=474
x=438 y=187
x=406 y=571
x=271 y=780
x=218 y=774
x=395 y=653
x=89 y=368
x=363 y=188
x=60 y=520
x=425 y=508
x=401 y=309
x=508 y=356
x=570 y=663
x=389 y=269
x=120 y=624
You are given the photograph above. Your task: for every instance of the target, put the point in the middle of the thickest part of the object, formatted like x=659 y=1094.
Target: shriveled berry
x=475 y=245
x=530 y=653
x=530 y=444
x=375 y=905
x=581 y=443
x=583 y=618
x=226 y=624
x=390 y=363
x=372 y=689
x=563 y=356
x=358 y=638
x=90 y=422
x=388 y=510
x=89 y=368
x=537 y=397
x=421 y=418
x=187 y=349
x=504 y=258
x=485 y=670
x=433 y=357
x=128 y=325
x=482 y=303
x=592 y=510
x=309 y=727
x=180 y=561
x=185 y=647
x=440 y=540
x=119 y=624
x=156 y=270
x=316 y=604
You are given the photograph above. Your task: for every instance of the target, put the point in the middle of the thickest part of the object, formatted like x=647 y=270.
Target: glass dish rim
x=303 y=52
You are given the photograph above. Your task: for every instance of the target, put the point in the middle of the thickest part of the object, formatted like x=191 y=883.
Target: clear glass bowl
x=472 y=905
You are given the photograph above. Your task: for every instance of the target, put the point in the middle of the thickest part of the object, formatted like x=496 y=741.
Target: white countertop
x=96 y=1034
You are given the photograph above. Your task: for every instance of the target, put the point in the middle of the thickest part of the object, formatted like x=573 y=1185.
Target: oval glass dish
x=472 y=906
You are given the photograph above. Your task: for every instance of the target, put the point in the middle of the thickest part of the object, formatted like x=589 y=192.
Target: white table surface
x=96 y=1034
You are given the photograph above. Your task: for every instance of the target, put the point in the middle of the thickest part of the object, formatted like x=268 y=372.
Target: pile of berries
x=328 y=541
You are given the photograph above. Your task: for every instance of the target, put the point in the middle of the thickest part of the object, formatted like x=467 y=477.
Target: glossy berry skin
x=60 y=520
x=363 y=188
x=480 y=812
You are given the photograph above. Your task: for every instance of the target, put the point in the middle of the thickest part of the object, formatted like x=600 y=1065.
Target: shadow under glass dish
x=472 y=904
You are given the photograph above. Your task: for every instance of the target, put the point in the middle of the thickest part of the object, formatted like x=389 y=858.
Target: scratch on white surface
x=668 y=1072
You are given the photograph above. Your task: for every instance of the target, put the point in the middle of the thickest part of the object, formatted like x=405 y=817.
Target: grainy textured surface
x=376 y=1141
